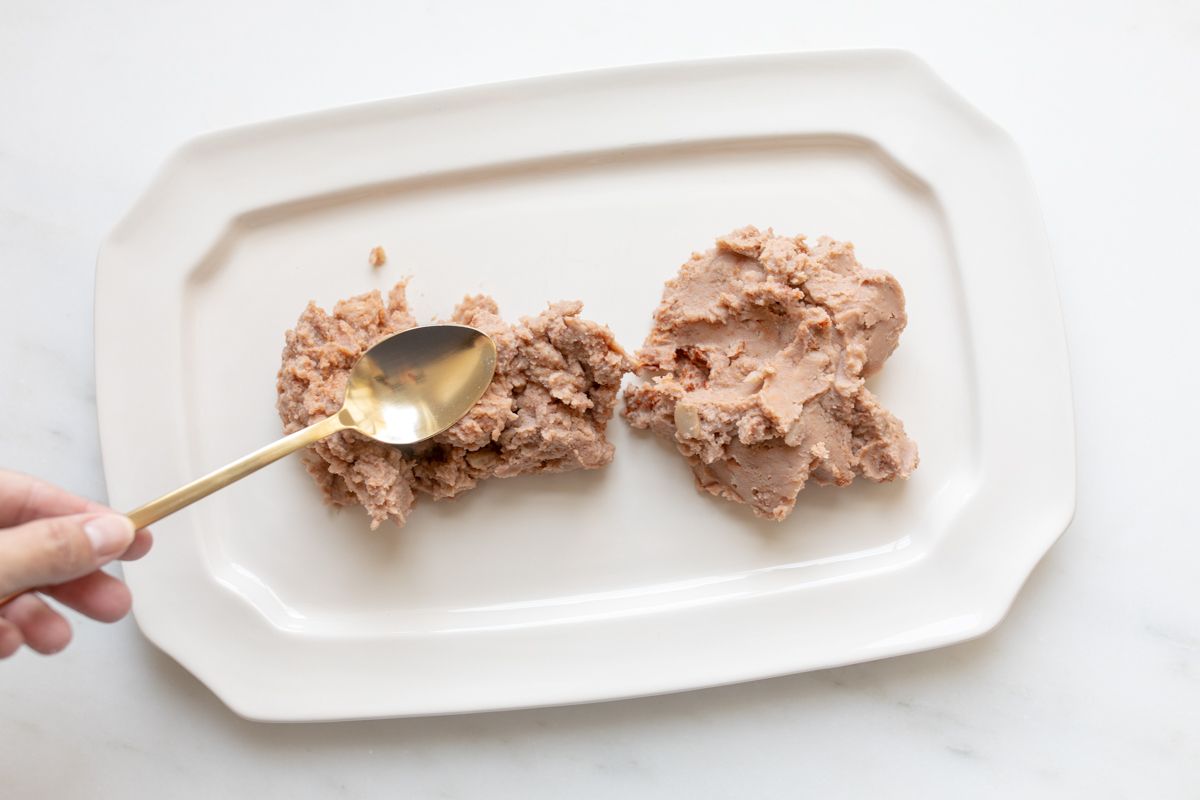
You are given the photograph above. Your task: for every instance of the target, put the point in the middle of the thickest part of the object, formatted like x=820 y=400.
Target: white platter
x=604 y=584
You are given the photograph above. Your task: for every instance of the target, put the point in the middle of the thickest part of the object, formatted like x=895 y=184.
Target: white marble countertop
x=1091 y=687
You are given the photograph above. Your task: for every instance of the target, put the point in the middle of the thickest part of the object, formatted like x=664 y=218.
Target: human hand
x=55 y=542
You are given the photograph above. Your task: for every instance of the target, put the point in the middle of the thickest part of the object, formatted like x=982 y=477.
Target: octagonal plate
x=606 y=584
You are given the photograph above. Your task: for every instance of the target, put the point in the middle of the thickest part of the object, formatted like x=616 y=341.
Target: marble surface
x=1090 y=688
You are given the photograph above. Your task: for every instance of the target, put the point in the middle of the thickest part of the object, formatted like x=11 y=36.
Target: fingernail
x=110 y=535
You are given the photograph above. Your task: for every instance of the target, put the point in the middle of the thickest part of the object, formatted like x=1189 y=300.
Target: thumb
x=58 y=549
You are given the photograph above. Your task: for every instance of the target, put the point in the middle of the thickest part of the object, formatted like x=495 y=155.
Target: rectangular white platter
x=590 y=585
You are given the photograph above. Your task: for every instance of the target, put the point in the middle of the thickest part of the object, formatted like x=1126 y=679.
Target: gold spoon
x=403 y=390
x=406 y=388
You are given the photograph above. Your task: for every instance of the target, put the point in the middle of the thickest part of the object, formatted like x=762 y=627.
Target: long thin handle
x=202 y=487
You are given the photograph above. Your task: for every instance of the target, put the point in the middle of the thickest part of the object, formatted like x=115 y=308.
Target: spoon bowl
x=417 y=383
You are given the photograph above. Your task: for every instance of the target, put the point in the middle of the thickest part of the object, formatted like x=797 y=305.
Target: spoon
x=403 y=390
x=406 y=388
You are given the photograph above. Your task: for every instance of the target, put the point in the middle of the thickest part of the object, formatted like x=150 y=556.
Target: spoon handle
x=218 y=479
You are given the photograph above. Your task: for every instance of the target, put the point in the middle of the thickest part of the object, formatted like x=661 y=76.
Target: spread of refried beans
x=546 y=410
x=755 y=369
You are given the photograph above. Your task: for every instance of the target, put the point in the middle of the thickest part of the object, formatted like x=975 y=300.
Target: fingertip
x=10 y=638
x=115 y=604
x=53 y=636
x=110 y=535
x=42 y=628
x=143 y=540
x=98 y=595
